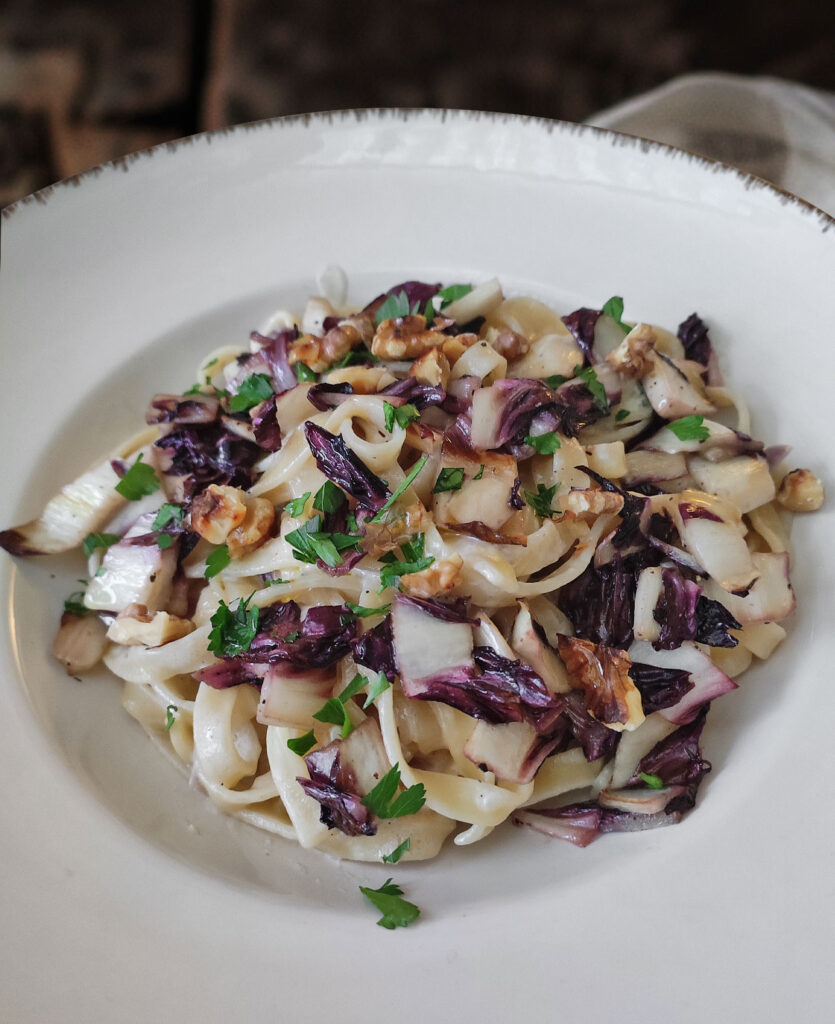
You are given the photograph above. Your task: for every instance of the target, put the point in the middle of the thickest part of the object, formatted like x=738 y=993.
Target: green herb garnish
x=614 y=308
x=165 y=540
x=453 y=292
x=255 y=389
x=380 y=685
x=555 y=381
x=402 y=415
x=397 y=912
x=413 y=560
x=448 y=480
x=383 y=802
x=296 y=506
x=480 y=473
x=397 y=853
x=170 y=716
x=690 y=428
x=217 y=561
x=168 y=514
x=329 y=498
x=622 y=414
x=139 y=480
x=410 y=476
x=301 y=744
x=309 y=542
x=541 y=501
x=233 y=631
x=98 y=540
x=74 y=604
x=394 y=307
x=598 y=392
x=545 y=444
x=653 y=781
x=362 y=612
x=334 y=712
x=303 y=373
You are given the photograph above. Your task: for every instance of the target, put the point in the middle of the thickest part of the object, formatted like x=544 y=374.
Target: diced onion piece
x=528 y=317
x=671 y=393
x=487 y=407
x=292 y=698
x=479 y=302
x=744 y=480
x=637 y=744
x=548 y=356
x=720 y=548
x=482 y=361
x=315 y=313
x=506 y=749
x=653 y=466
x=80 y=642
x=425 y=646
x=608 y=459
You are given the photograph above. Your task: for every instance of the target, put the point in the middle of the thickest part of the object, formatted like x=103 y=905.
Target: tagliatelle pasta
x=386 y=575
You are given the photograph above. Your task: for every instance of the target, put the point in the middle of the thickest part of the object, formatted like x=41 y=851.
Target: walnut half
x=602 y=673
x=800 y=491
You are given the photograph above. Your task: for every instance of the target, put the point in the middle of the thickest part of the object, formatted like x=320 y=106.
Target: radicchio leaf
x=265 y=426
x=600 y=602
x=341 y=808
x=339 y=464
x=677 y=760
x=416 y=392
x=275 y=350
x=327 y=396
x=447 y=611
x=416 y=292
x=182 y=409
x=676 y=610
x=692 y=333
x=660 y=687
x=582 y=323
x=582 y=823
x=208 y=454
x=375 y=649
x=322 y=638
x=713 y=620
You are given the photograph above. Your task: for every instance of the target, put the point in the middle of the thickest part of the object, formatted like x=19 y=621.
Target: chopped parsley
x=356 y=684
x=355 y=356
x=388 y=899
x=195 y=389
x=74 y=604
x=541 y=501
x=255 y=389
x=274 y=581
x=622 y=414
x=653 y=781
x=168 y=514
x=233 y=631
x=397 y=852
x=402 y=415
x=598 y=392
x=480 y=473
x=545 y=444
x=165 y=540
x=217 y=561
x=139 y=480
x=410 y=477
x=309 y=542
x=383 y=802
x=429 y=313
x=362 y=612
x=359 y=682
x=555 y=381
x=614 y=308
x=413 y=560
x=334 y=712
x=98 y=540
x=301 y=744
x=379 y=686
x=395 y=307
x=690 y=428
x=296 y=506
x=448 y=480
x=170 y=716
x=329 y=498
x=453 y=292
x=303 y=373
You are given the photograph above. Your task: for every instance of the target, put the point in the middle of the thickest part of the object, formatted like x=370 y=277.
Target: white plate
x=125 y=897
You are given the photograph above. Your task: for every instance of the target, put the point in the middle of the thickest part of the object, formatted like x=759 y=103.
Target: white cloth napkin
x=778 y=130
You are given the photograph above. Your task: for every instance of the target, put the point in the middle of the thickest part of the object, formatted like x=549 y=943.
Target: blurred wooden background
x=83 y=82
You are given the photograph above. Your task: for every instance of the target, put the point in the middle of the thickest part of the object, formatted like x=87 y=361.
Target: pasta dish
x=443 y=562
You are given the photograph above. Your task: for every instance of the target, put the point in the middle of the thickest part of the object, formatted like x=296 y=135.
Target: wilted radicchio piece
x=521 y=400
x=447 y=611
x=231 y=672
x=677 y=760
x=660 y=687
x=341 y=808
x=327 y=396
x=511 y=691
x=582 y=323
x=375 y=649
x=416 y=392
x=340 y=465
x=692 y=334
x=713 y=620
x=322 y=638
x=691 y=510
x=208 y=454
x=582 y=823
x=633 y=518
x=685 y=614
x=265 y=426
x=274 y=353
x=416 y=292
x=600 y=602
x=596 y=739
x=182 y=409
x=576 y=407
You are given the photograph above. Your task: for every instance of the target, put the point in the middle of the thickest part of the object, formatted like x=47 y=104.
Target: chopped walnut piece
x=800 y=491
x=508 y=343
x=320 y=353
x=134 y=627
x=455 y=346
x=602 y=673
x=431 y=368
x=383 y=537
x=255 y=528
x=630 y=357
x=217 y=511
x=592 y=502
x=405 y=337
x=439 y=578
x=79 y=643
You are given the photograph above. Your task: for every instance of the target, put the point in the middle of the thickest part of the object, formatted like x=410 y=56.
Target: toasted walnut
x=602 y=673
x=134 y=627
x=320 y=353
x=800 y=491
x=404 y=337
x=431 y=368
x=255 y=528
x=592 y=503
x=383 y=537
x=508 y=343
x=439 y=578
x=454 y=347
x=217 y=511
x=79 y=643
x=630 y=357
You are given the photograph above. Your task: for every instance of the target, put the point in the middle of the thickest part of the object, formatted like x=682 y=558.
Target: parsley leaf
x=410 y=477
x=74 y=604
x=555 y=381
x=453 y=292
x=301 y=744
x=653 y=781
x=614 y=308
x=413 y=561
x=622 y=414
x=690 y=428
x=362 y=612
x=334 y=712
x=541 y=501
x=168 y=514
x=303 y=373
x=397 y=853
x=356 y=684
x=165 y=540
x=255 y=389
x=296 y=506
x=395 y=306
x=382 y=801
x=380 y=685
x=98 y=540
x=233 y=631
x=545 y=444
x=139 y=480
x=354 y=357
x=480 y=473
x=429 y=313
x=589 y=378
x=397 y=912
x=195 y=389
x=170 y=716
x=217 y=561
x=449 y=480
x=402 y=415
x=329 y=498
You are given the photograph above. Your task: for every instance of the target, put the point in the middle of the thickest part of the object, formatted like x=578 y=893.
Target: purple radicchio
x=340 y=465
x=600 y=602
x=685 y=614
x=375 y=650
x=274 y=352
x=327 y=396
x=416 y=392
x=182 y=409
x=416 y=292
x=582 y=323
x=677 y=760
x=265 y=425
x=580 y=824
x=208 y=454
x=659 y=687
x=330 y=785
x=322 y=638
x=692 y=333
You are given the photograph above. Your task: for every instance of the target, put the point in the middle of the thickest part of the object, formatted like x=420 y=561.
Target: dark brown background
x=83 y=82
